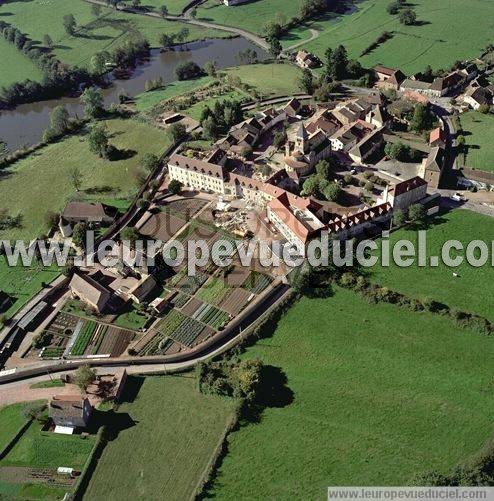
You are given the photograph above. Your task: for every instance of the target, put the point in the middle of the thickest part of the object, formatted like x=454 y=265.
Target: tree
x=182 y=35
x=75 y=177
x=485 y=109
x=163 y=10
x=136 y=4
x=399 y=217
x=421 y=119
x=175 y=187
x=210 y=128
x=408 y=17
x=79 y=235
x=188 y=70
x=35 y=411
x=279 y=139
x=275 y=47
x=460 y=143
x=130 y=235
x=339 y=63
x=210 y=68
x=98 y=141
x=311 y=187
x=84 y=377
x=306 y=81
x=417 y=213
x=59 y=120
x=272 y=30
x=93 y=102
x=69 y=24
x=178 y=132
x=323 y=169
x=393 y=8
x=397 y=151
x=98 y=63
x=166 y=41
x=150 y=161
x=332 y=192
x=369 y=186
x=47 y=41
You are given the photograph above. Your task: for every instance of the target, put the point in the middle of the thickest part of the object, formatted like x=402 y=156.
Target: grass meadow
x=380 y=395
x=175 y=7
x=471 y=291
x=479 y=131
x=94 y=33
x=21 y=284
x=50 y=166
x=251 y=16
x=163 y=452
x=20 y=67
x=12 y=420
x=447 y=30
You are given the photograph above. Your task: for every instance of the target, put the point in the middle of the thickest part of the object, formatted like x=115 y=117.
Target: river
x=25 y=124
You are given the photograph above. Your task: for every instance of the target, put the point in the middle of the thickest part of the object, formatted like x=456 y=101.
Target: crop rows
x=180 y=299
x=211 y=315
x=83 y=338
x=190 y=285
x=53 y=352
x=101 y=336
x=213 y=291
x=187 y=332
x=256 y=282
x=166 y=327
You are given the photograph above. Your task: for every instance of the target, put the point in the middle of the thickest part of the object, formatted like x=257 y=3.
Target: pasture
x=94 y=33
x=252 y=16
x=471 y=291
x=20 y=67
x=12 y=420
x=171 y=433
x=376 y=395
x=478 y=130
x=50 y=167
x=446 y=31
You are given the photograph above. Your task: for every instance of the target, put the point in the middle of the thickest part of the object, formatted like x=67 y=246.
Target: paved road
x=186 y=19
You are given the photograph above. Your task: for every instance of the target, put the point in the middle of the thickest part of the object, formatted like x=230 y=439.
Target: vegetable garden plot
x=180 y=300
x=213 y=291
x=187 y=206
x=211 y=315
x=237 y=276
x=192 y=306
x=162 y=226
x=257 y=282
x=115 y=341
x=190 y=285
x=83 y=338
x=236 y=301
x=187 y=332
x=172 y=320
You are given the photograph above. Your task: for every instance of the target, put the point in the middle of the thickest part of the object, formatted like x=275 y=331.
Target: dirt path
x=314 y=35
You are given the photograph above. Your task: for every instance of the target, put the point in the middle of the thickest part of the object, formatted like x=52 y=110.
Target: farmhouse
x=69 y=412
x=89 y=291
x=478 y=96
x=142 y=289
x=85 y=212
x=306 y=60
x=388 y=78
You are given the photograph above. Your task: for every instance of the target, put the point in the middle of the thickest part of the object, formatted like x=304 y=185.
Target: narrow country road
x=314 y=34
x=189 y=20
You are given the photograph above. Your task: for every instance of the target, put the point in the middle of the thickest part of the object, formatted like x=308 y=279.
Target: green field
x=38 y=449
x=251 y=16
x=12 y=420
x=380 y=394
x=471 y=290
x=147 y=100
x=50 y=166
x=21 y=284
x=175 y=7
x=19 y=66
x=29 y=492
x=269 y=79
x=448 y=30
x=37 y=18
x=479 y=131
x=174 y=433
